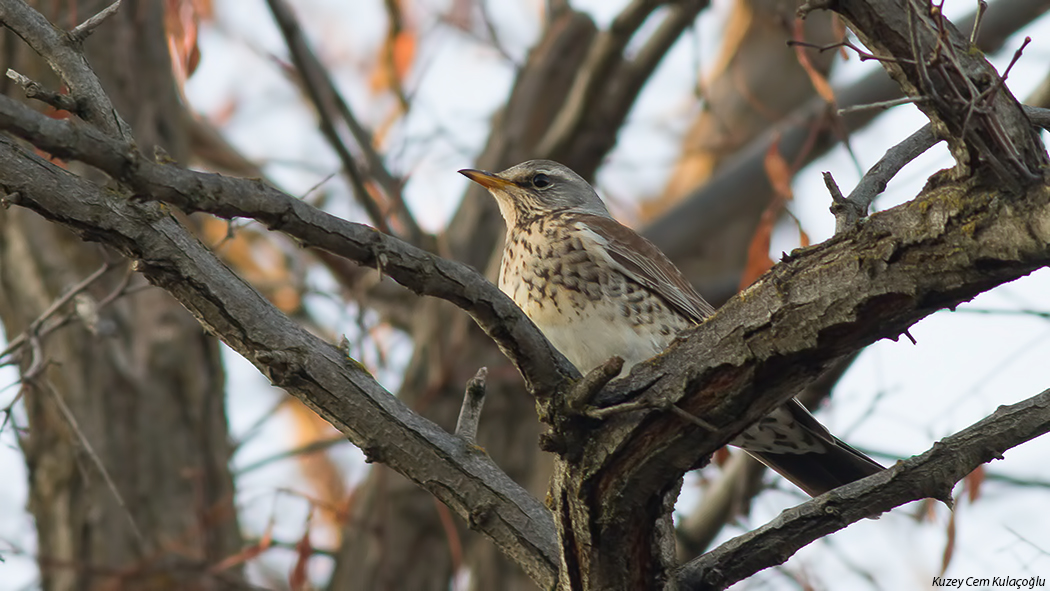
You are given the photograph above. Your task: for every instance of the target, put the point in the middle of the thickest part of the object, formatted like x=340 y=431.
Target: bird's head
x=538 y=187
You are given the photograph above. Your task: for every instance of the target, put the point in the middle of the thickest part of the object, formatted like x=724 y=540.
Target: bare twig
x=33 y=329
x=584 y=391
x=904 y=100
x=331 y=106
x=35 y=90
x=982 y=7
x=690 y=417
x=470 y=412
x=933 y=473
x=65 y=58
x=863 y=55
x=849 y=211
x=86 y=28
x=95 y=459
x=494 y=38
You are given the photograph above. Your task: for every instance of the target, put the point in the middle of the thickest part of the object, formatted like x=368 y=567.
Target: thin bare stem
x=86 y=28
x=470 y=412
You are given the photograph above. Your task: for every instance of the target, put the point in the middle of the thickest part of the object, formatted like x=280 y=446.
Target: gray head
x=538 y=187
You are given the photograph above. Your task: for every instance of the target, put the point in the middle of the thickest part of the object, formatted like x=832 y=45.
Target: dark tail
x=818 y=472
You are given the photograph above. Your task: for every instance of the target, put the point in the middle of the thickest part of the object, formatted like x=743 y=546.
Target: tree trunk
x=143 y=396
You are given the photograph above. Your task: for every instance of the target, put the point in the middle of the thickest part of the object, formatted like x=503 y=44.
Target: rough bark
x=146 y=392
x=618 y=473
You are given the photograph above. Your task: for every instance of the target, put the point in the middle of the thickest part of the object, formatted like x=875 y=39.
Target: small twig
x=86 y=28
x=34 y=90
x=470 y=412
x=68 y=414
x=904 y=100
x=864 y=55
x=608 y=411
x=486 y=19
x=846 y=212
x=584 y=391
x=330 y=106
x=982 y=7
x=55 y=306
x=302 y=450
x=855 y=206
x=910 y=337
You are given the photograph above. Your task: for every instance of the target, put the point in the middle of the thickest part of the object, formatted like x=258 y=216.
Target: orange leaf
x=404 y=53
x=973 y=482
x=820 y=83
x=949 y=546
x=182 y=23
x=758 y=261
x=778 y=171
x=395 y=61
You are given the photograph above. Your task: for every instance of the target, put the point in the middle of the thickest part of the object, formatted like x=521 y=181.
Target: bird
x=597 y=289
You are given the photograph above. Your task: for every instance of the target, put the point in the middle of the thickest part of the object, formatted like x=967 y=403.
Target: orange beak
x=486 y=179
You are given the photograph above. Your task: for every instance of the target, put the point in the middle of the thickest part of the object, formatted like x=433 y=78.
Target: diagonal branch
x=330 y=104
x=933 y=473
x=337 y=388
x=545 y=370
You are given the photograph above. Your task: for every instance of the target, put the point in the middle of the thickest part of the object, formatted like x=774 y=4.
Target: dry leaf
x=820 y=83
x=972 y=483
x=949 y=546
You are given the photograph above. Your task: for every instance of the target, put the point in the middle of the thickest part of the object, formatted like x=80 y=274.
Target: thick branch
x=316 y=372
x=545 y=369
x=932 y=474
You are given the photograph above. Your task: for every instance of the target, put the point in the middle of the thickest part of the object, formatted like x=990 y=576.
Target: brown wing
x=643 y=262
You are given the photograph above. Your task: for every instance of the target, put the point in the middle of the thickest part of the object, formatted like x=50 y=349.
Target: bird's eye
x=541 y=180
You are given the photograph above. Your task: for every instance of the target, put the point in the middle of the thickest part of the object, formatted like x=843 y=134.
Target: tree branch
x=932 y=474
x=63 y=54
x=966 y=101
x=316 y=372
x=544 y=368
x=680 y=231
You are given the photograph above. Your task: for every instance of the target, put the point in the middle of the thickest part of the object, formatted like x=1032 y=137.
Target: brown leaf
x=395 y=61
x=182 y=20
x=949 y=546
x=972 y=483
x=779 y=173
x=820 y=83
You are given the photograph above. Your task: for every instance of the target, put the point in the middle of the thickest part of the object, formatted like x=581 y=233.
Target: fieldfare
x=596 y=289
